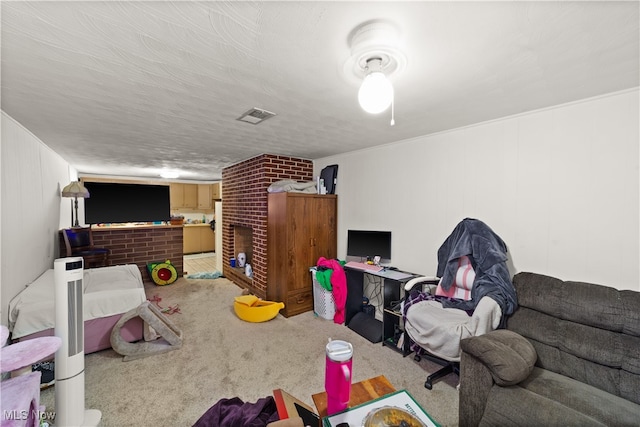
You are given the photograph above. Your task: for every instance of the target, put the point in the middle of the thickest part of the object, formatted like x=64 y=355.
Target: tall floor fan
x=69 y=367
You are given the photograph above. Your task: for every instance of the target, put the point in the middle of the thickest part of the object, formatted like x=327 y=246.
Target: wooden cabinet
x=216 y=192
x=300 y=229
x=205 y=201
x=183 y=195
x=191 y=240
x=198 y=238
x=207 y=239
x=193 y=196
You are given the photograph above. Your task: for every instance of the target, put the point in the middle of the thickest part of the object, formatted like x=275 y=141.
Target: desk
x=361 y=392
x=367 y=326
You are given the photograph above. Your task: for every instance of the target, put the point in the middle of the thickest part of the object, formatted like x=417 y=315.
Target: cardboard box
x=289 y=407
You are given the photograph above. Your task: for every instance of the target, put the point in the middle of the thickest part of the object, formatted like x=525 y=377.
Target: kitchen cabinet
x=193 y=196
x=183 y=195
x=216 y=192
x=207 y=195
x=198 y=238
x=300 y=229
x=204 y=196
x=207 y=239
x=191 y=239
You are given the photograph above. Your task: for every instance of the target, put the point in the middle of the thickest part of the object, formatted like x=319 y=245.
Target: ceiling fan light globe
x=376 y=93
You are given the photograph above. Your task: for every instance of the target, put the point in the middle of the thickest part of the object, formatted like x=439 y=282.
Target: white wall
x=560 y=186
x=32 y=178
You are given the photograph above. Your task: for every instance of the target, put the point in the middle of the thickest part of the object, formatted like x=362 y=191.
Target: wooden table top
x=361 y=392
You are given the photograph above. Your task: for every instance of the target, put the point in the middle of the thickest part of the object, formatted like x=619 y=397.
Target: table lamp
x=75 y=189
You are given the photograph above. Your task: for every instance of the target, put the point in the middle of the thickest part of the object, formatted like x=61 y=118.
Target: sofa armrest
x=508 y=356
x=499 y=357
x=475 y=384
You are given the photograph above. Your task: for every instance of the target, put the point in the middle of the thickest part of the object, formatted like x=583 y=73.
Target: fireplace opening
x=242 y=244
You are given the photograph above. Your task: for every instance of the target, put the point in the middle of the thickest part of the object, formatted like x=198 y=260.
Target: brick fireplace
x=244 y=213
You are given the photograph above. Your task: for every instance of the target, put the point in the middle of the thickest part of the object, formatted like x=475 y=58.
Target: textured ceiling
x=128 y=88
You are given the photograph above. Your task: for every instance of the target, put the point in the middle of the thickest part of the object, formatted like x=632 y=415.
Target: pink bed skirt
x=97 y=332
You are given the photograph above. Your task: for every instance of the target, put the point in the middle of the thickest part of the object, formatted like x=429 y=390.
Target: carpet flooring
x=223 y=356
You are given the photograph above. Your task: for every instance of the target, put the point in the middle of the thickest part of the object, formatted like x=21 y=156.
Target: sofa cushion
x=517 y=406
x=591 y=401
x=549 y=399
x=508 y=356
x=585 y=331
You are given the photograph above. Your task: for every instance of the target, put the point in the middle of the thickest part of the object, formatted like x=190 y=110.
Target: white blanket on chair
x=439 y=330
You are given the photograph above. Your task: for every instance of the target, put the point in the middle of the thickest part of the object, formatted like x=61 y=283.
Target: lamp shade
x=376 y=93
x=75 y=189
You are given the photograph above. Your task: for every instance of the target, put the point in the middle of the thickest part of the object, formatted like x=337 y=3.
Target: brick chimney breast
x=244 y=204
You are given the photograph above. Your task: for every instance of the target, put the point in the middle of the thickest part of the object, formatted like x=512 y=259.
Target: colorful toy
x=162 y=273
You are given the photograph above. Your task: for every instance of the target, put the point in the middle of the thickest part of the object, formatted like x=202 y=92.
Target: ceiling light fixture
x=375 y=59
x=169 y=174
x=376 y=93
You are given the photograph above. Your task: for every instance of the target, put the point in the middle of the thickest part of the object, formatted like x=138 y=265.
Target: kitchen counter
x=133 y=226
x=206 y=224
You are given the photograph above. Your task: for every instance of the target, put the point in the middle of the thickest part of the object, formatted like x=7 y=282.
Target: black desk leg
x=355 y=291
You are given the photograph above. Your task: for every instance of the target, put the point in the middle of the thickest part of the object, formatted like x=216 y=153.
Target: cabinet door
x=302 y=250
x=176 y=195
x=204 y=196
x=190 y=196
x=215 y=191
x=207 y=239
x=324 y=227
x=191 y=240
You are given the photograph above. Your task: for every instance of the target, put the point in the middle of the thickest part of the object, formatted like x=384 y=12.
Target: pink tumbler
x=337 y=380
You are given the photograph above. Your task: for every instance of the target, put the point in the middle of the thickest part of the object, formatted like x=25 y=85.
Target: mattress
x=108 y=291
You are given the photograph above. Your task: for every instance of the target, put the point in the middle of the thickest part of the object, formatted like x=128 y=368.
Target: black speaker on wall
x=367 y=326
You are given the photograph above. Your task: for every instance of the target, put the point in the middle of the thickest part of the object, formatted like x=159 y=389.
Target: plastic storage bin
x=323 y=303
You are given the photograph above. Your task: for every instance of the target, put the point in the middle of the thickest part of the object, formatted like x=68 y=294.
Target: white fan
x=69 y=366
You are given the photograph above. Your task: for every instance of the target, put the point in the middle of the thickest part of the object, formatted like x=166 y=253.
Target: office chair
x=474 y=296
x=79 y=242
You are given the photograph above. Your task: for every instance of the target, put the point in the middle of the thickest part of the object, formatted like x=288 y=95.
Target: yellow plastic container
x=250 y=308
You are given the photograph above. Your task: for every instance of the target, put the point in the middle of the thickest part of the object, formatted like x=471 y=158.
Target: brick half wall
x=140 y=245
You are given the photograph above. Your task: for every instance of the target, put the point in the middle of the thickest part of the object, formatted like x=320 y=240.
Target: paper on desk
x=356 y=415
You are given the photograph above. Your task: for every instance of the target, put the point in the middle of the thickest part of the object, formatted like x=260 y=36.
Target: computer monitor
x=368 y=244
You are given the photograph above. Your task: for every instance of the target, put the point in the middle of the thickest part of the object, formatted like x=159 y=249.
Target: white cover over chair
x=439 y=330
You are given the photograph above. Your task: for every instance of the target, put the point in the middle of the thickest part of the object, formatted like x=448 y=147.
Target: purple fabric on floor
x=234 y=412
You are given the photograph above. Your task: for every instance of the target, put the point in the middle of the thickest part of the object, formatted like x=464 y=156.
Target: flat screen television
x=116 y=203
x=368 y=244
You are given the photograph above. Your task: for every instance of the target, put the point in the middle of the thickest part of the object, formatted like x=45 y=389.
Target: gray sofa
x=570 y=356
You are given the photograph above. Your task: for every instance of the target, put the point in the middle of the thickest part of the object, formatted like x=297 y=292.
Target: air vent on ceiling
x=255 y=116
